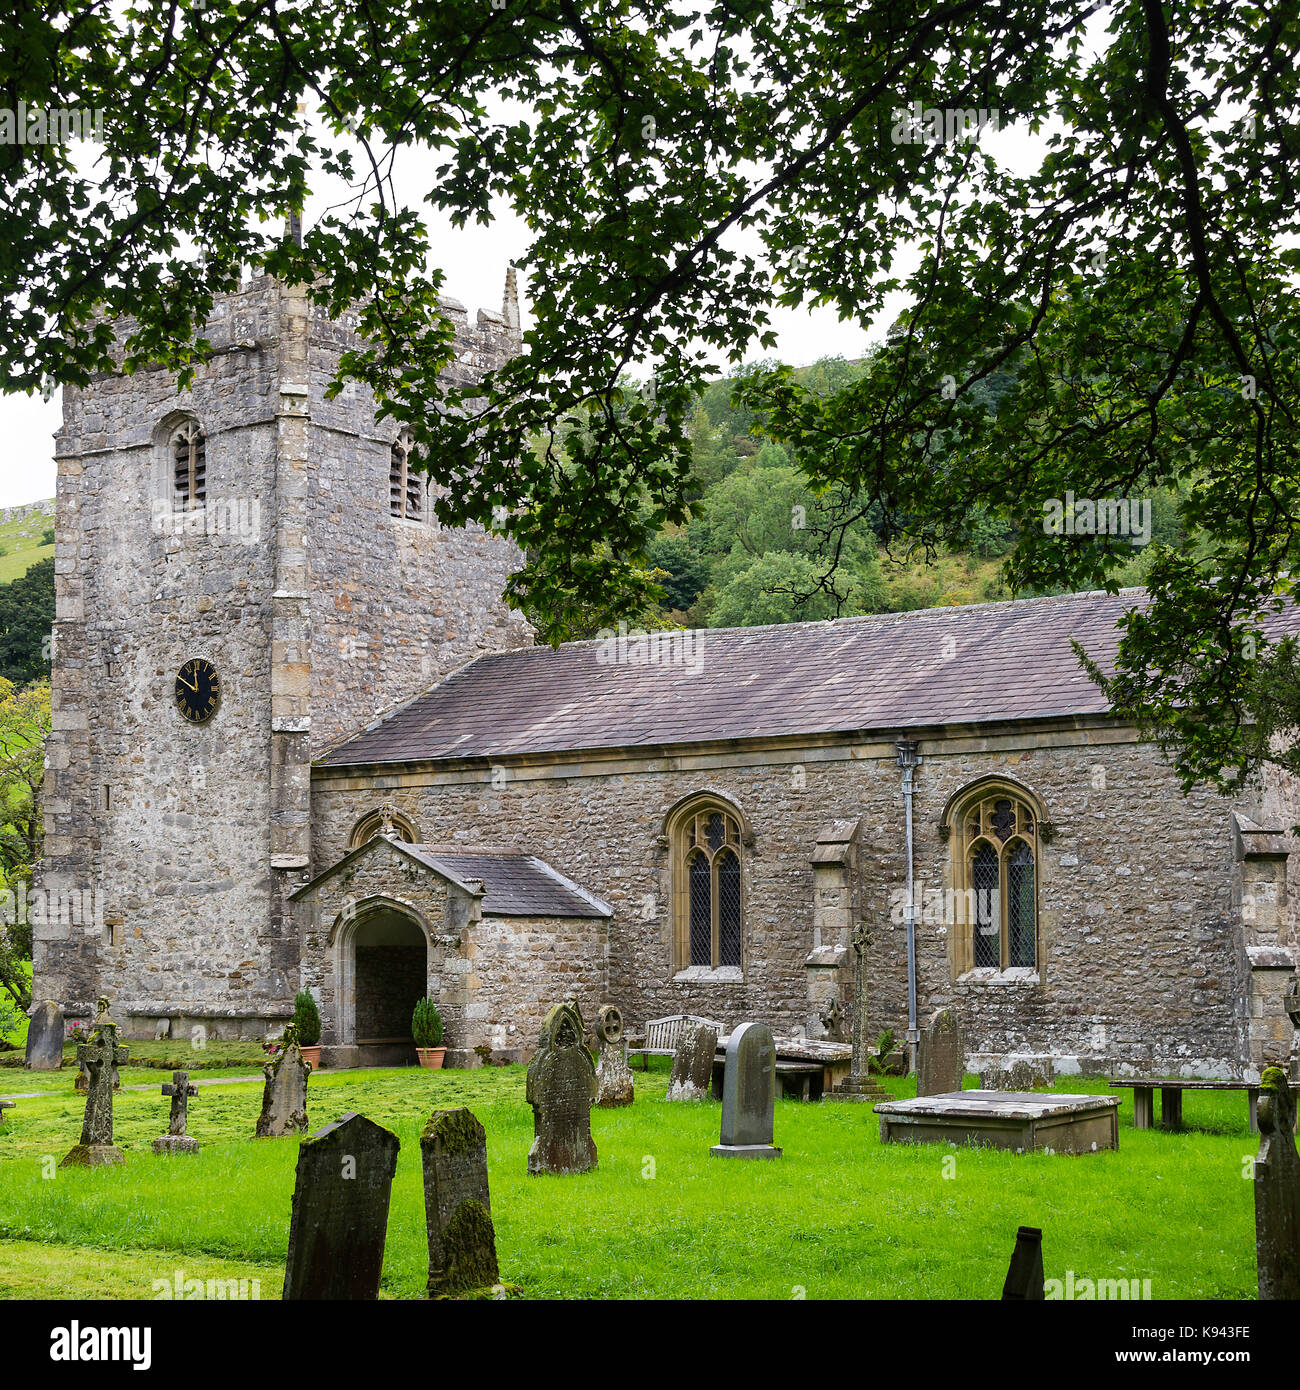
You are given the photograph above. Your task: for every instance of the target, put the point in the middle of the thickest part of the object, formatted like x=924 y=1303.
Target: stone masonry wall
x=1139 y=955
x=168 y=821
x=396 y=603
x=523 y=966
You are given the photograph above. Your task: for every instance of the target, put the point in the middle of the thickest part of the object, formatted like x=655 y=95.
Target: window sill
x=986 y=975
x=706 y=975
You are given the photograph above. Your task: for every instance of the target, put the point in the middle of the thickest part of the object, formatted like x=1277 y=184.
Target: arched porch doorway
x=384 y=968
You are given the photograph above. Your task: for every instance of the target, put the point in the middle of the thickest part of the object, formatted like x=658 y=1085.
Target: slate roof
x=514 y=884
x=974 y=664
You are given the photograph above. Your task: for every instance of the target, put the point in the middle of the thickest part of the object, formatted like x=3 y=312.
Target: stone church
x=300 y=742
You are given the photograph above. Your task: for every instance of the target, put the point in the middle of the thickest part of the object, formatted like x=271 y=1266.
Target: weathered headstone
x=614 y=1084
x=45 y=1038
x=100 y=1057
x=1020 y=1076
x=560 y=1087
x=859 y=1085
x=692 y=1073
x=176 y=1141
x=82 y=1079
x=340 y=1211
x=6 y=1105
x=748 y=1095
x=1277 y=1190
x=284 y=1097
x=1024 y=1279
x=457 y=1207
x=941 y=1057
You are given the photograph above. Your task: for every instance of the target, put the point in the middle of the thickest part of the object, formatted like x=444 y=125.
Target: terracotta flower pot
x=312 y=1055
x=431 y=1056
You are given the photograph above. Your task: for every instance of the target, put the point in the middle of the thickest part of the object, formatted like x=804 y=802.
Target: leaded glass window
x=711 y=899
x=994 y=871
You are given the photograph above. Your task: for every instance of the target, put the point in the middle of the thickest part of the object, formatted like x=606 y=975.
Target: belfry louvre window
x=995 y=859
x=708 y=893
x=405 y=486
x=190 y=465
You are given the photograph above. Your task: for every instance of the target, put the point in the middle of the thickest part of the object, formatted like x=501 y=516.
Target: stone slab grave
x=176 y=1141
x=45 y=1034
x=1024 y=1281
x=1277 y=1190
x=748 y=1095
x=284 y=1097
x=100 y=1057
x=457 y=1207
x=560 y=1086
x=1015 y=1120
x=806 y=1068
x=692 y=1069
x=6 y=1105
x=941 y=1055
x=339 y=1220
x=614 y=1084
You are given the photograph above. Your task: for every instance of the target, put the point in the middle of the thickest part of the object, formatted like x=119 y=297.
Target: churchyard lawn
x=839 y=1216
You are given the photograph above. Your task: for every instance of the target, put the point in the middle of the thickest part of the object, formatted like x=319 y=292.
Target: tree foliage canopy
x=682 y=167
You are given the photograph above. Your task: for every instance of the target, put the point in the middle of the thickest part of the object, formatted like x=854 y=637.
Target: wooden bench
x=662 y=1035
x=1171 y=1097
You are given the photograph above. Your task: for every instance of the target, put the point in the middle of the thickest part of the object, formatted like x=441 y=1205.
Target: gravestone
x=692 y=1073
x=941 y=1056
x=1277 y=1190
x=45 y=1038
x=614 y=1084
x=100 y=1057
x=340 y=1211
x=560 y=1087
x=1024 y=1281
x=6 y=1105
x=748 y=1095
x=176 y=1141
x=457 y=1207
x=284 y=1097
x=1020 y=1076
x=82 y=1080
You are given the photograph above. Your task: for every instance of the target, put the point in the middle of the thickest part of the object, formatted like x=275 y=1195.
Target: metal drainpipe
x=909 y=760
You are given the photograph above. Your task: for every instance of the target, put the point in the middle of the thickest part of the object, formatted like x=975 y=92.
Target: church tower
x=245 y=573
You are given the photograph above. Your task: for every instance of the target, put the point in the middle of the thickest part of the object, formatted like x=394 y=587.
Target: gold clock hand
x=186 y=684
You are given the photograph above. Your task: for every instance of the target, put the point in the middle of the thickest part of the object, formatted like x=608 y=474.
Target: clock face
x=198 y=689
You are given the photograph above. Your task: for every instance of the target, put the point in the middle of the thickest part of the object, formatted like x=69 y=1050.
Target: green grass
x=839 y=1216
x=21 y=541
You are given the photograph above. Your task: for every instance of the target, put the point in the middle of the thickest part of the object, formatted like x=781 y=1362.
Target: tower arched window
x=995 y=838
x=189 y=455
x=708 y=892
x=405 y=485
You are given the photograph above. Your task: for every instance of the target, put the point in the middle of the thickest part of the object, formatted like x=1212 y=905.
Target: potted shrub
x=426 y=1029
x=306 y=1018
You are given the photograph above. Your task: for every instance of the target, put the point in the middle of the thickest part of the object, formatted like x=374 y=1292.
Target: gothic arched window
x=189 y=455
x=995 y=863
x=405 y=485
x=708 y=896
